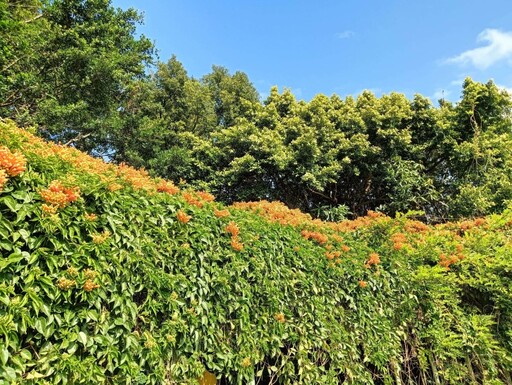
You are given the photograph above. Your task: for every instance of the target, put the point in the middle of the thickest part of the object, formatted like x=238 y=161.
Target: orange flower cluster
x=221 y=213
x=89 y=285
x=319 y=237
x=114 y=187
x=374 y=259
x=114 y=177
x=415 y=227
x=167 y=187
x=279 y=317
x=58 y=196
x=100 y=238
x=11 y=165
x=332 y=255
x=49 y=209
x=399 y=240
x=182 y=217
x=276 y=212
x=371 y=218
x=236 y=244
x=198 y=198
x=337 y=238
x=233 y=229
x=205 y=196
x=468 y=225
x=90 y=274
x=363 y=284
x=91 y=217
x=447 y=261
x=192 y=199
x=139 y=179
x=65 y=284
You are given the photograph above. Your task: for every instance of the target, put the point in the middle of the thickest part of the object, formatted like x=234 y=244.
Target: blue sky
x=338 y=46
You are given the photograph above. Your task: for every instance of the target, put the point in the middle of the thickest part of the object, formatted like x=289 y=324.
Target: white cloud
x=499 y=48
x=345 y=34
x=458 y=82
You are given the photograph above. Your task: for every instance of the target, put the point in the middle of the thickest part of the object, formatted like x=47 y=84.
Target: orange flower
x=167 y=187
x=279 y=317
x=192 y=200
x=13 y=163
x=89 y=285
x=221 y=213
x=205 y=196
x=65 y=284
x=345 y=248
x=235 y=244
x=182 y=217
x=363 y=284
x=100 y=238
x=337 y=238
x=49 y=209
x=319 y=237
x=233 y=229
x=373 y=260
x=114 y=187
x=58 y=195
x=332 y=255
x=447 y=261
x=90 y=217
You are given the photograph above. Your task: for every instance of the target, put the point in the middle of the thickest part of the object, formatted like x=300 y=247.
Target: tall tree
x=73 y=82
x=233 y=95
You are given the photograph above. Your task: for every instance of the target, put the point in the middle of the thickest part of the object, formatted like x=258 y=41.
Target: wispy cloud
x=345 y=34
x=498 y=48
x=458 y=82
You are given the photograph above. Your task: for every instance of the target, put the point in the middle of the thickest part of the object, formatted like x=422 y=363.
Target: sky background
x=338 y=46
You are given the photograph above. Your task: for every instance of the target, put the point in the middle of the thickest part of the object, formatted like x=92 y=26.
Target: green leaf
x=82 y=337
x=4 y=355
x=33 y=375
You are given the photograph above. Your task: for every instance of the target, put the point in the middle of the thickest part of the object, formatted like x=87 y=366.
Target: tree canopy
x=76 y=70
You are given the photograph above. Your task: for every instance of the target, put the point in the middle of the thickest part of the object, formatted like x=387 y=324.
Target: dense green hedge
x=101 y=281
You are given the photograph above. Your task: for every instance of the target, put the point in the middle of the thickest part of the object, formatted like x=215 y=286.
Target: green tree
x=82 y=57
x=233 y=95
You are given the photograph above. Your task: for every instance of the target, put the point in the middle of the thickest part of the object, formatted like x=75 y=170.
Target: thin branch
x=11 y=64
x=34 y=18
x=77 y=138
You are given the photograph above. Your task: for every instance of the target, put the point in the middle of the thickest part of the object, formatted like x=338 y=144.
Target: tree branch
x=77 y=138
x=34 y=18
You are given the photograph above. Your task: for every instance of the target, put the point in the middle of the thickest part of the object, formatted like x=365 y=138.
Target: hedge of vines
x=108 y=276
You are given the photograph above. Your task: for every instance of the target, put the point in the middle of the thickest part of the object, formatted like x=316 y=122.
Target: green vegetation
x=113 y=275
x=109 y=276
x=75 y=70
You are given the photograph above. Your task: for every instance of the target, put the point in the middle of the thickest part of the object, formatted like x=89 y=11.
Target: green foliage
x=66 y=66
x=134 y=294
x=388 y=153
x=76 y=71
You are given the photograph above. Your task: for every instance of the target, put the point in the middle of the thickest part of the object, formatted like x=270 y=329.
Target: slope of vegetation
x=110 y=276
